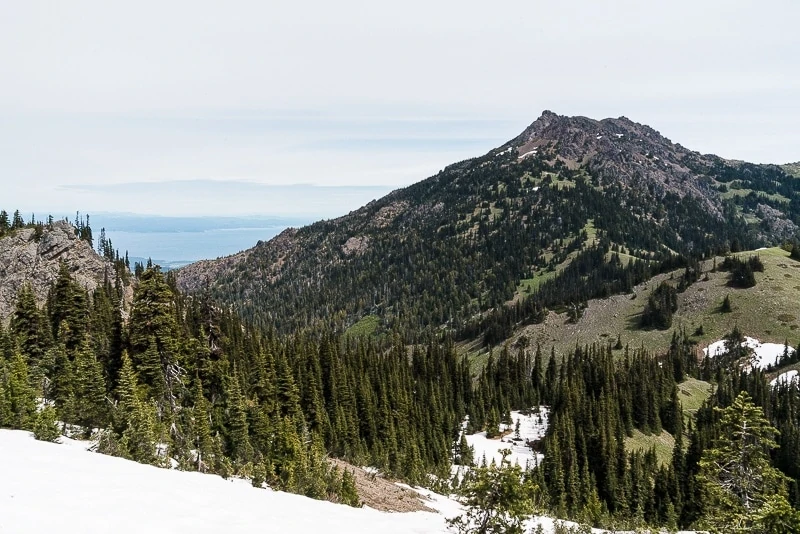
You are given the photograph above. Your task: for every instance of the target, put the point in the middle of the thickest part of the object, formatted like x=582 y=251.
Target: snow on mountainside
x=531 y=428
x=47 y=488
x=789 y=377
x=765 y=355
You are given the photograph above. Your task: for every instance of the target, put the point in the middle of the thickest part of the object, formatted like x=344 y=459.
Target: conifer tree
x=736 y=475
x=89 y=389
x=203 y=443
x=20 y=396
x=27 y=324
x=135 y=425
x=239 y=440
x=139 y=439
x=497 y=499
x=349 y=494
x=61 y=388
x=45 y=426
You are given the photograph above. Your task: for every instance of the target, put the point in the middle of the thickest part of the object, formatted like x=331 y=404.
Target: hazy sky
x=98 y=99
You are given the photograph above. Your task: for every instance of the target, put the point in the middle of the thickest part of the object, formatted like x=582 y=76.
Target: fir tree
x=736 y=475
x=20 y=396
x=349 y=494
x=497 y=499
x=45 y=426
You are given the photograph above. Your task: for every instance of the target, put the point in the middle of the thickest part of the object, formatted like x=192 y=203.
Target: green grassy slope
x=770 y=311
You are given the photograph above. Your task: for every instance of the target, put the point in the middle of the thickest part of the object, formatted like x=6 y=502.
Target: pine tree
x=45 y=426
x=135 y=426
x=466 y=454
x=736 y=476
x=239 y=440
x=20 y=396
x=497 y=499
x=27 y=325
x=68 y=303
x=89 y=388
x=349 y=494
x=140 y=437
x=202 y=441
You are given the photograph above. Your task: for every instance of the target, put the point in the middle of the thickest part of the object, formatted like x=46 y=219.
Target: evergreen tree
x=497 y=499
x=349 y=494
x=20 y=396
x=91 y=409
x=736 y=475
x=45 y=426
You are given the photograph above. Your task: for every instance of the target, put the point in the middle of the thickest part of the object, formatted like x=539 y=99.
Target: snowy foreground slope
x=47 y=488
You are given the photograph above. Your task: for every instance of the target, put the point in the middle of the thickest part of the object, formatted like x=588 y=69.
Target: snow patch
x=526 y=154
x=789 y=377
x=765 y=355
x=44 y=484
x=531 y=428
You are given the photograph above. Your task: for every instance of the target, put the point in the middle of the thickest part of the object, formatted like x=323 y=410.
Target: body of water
x=190 y=246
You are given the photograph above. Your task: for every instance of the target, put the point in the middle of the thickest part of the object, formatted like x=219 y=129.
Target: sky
x=198 y=108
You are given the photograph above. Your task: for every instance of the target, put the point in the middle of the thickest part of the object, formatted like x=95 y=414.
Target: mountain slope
x=769 y=311
x=579 y=208
x=33 y=256
x=63 y=488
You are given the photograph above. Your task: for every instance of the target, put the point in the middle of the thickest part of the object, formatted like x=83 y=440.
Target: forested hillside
x=187 y=384
x=343 y=339
x=517 y=229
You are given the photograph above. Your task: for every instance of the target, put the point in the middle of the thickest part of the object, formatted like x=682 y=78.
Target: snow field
x=764 y=354
x=46 y=487
x=65 y=488
x=789 y=377
x=531 y=428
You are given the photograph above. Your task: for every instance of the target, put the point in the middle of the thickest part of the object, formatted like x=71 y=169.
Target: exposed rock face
x=620 y=150
x=24 y=260
x=775 y=222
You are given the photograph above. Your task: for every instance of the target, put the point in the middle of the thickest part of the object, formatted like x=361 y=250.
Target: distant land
x=176 y=241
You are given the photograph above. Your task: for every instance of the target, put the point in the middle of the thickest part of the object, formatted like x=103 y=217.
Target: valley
x=589 y=296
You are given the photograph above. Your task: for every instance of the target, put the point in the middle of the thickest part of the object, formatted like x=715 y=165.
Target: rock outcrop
x=26 y=259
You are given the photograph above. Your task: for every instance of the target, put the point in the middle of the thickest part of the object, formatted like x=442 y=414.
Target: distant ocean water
x=180 y=240
x=190 y=246
x=179 y=246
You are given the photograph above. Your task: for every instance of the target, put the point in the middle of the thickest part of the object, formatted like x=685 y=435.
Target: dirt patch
x=383 y=494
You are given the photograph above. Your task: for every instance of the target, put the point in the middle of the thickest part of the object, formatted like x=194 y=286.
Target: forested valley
x=175 y=379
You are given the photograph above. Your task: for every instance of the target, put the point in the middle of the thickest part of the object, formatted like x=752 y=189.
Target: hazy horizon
x=99 y=98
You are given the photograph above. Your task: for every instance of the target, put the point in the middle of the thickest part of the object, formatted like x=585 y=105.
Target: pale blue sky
x=96 y=94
